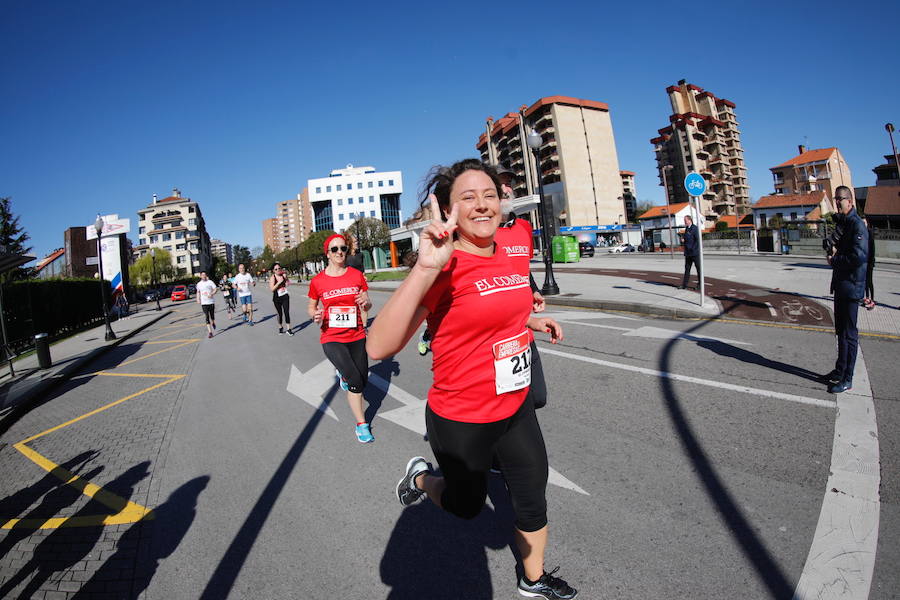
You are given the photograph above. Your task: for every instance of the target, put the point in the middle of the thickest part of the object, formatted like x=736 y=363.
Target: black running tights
x=283 y=305
x=351 y=361
x=465 y=451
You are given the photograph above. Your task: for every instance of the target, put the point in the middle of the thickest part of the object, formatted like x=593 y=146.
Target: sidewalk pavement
x=30 y=383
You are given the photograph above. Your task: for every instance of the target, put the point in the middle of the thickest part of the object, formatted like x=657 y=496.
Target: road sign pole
x=700 y=239
x=695 y=186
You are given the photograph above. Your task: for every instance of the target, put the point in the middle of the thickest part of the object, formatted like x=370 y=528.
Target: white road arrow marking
x=312 y=385
x=412 y=416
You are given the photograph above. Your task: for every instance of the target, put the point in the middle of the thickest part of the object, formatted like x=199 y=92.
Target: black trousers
x=688 y=261
x=351 y=361
x=538 y=389
x=209 y=311
x=464 y=452
x=283 y=307
x=845 y=312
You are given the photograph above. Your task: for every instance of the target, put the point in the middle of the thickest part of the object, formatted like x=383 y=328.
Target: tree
x=263 y=261
x=311 y=249
x=12 y=237
x=721 y=226
x=141 y=272
x=369 y=233
x=242 y=255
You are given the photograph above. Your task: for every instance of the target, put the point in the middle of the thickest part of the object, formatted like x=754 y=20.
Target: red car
x=179 y=292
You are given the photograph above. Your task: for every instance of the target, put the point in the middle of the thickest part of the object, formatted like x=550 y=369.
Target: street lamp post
x=98 y=226
x=155 y=284
x=550 y=288
x=889 y=127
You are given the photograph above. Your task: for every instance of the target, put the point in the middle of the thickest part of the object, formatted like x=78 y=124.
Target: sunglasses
x=341 y=248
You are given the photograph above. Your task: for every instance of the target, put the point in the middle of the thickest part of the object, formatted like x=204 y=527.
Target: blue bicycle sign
x=694 y=184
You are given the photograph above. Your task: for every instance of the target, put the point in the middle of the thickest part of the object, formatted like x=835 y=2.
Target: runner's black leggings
x=283 y=305
x=351 y=361
x=465 y=450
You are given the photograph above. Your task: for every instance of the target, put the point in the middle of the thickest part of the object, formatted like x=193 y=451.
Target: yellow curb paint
x=125 y=511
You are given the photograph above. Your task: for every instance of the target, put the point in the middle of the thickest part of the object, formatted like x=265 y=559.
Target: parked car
x=586 y=249
x=151 y=295
x=621 y=248
x=179 y=292
x=192 y=290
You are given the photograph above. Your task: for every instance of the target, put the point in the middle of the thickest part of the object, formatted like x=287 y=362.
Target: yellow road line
x=173 y=341
x=125 y=511
x=169 y=379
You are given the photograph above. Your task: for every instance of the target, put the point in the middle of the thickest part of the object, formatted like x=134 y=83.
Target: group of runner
x=472 y=285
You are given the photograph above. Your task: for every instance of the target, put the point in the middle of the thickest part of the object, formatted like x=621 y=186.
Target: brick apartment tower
x=703 y=136
x=291 y=225
x=578 y=161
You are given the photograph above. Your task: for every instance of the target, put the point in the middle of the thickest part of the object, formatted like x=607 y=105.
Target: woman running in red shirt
x=343 y=297
x=478 y=304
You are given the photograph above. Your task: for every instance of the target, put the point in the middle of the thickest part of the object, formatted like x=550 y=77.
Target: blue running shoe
x=344 y=385
x=364 y=434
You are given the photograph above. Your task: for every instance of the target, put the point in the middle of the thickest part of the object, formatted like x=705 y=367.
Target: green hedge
x=57 y=307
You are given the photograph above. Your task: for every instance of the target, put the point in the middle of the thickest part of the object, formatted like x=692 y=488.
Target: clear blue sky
x=237 y=104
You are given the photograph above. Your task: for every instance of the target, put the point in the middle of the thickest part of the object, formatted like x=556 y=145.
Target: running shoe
x=423 y=348
x=344 y=385
x=210 y=335
x=291 y=332
x=364 y=434
x=280 y=331
x=407 y=492
x=547 y=587
x=251 y=323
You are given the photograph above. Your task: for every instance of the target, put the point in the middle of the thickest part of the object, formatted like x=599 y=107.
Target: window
x=372 y=213
x=318 y=190
x=153 y=239
x=166 y=237
x=390 y=182
x=359 y=185
x=349 y=200
x=340 y=217
x=167 y=248
x=179 y=235
x=340 y=201
x=328 y=189
x=338 y=187
x=193 y=245
x=181 y=246
x=192 y=222
x=361 y=200
x=142 y=241
x=371 y=198
x=370 y=184
x=181 y=259
x=142 y=230
x=762 y=219
x=381 y=184
x=793 y=216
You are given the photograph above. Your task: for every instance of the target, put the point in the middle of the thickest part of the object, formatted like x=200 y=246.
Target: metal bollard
x=42 y=348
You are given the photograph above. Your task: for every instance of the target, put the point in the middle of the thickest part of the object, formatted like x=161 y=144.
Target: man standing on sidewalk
x=691 y=251
x=848 y=280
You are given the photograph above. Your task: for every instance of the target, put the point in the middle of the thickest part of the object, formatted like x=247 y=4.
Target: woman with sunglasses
x=278 y=283
x=341 y=291
x=478 y=304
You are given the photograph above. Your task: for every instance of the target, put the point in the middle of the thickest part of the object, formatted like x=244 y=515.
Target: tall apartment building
x=347 y=194
x=812 y=170
x=703 y=136
x=222 y=250
x=176 y=225
x=291 y=225
x=629 y=195
x=579 y=167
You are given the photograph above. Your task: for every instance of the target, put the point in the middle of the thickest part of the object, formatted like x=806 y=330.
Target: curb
x=645 y=309
x=29 y=398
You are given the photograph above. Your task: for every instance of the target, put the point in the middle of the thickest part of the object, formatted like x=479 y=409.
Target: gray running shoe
x=548 y=587
x=407 y=492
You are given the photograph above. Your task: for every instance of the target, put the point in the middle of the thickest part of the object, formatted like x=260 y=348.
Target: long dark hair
x=440 y=179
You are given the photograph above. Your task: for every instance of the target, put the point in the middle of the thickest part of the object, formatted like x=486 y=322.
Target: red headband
x=331 y=237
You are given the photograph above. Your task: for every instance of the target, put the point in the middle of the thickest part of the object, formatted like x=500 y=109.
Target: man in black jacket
x=848 y=279
x=691 y=251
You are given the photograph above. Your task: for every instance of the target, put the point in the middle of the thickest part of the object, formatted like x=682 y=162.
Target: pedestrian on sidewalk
x=691 y=251
x=869 y=299
x=848 y=279
x=206 y=298
x=478 y=305
x=343 y=297
x=278 y=283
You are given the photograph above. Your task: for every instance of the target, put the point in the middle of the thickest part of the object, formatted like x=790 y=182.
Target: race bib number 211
x=512 y=363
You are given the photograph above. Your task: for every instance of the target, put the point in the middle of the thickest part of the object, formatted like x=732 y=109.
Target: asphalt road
x=707 y=483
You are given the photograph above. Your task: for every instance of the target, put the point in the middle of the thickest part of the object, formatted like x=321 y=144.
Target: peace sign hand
x=436 y=240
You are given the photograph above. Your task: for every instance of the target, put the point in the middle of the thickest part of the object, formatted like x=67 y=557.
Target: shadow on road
x=228 y=569
x=745 y=356
x=374 y=395
x=767 y=568
x=147 y=543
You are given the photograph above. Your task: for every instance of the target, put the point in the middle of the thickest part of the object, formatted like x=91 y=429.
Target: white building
x=347 y=194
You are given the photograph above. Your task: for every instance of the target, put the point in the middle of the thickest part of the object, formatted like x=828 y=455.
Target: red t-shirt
x=342 y=321
x=477 y=306
x=517 y=241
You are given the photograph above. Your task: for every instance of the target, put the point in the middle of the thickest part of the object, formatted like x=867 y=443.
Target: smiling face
x=478 y=204
x=337 y=258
